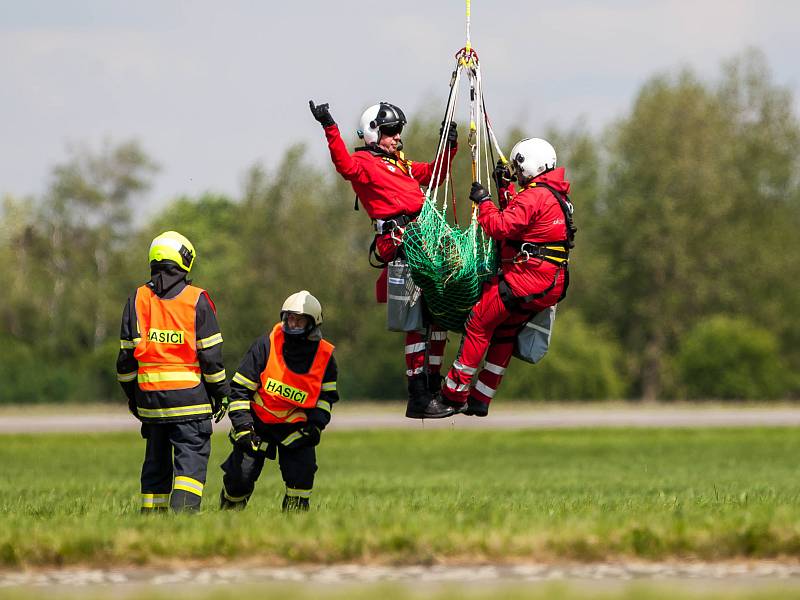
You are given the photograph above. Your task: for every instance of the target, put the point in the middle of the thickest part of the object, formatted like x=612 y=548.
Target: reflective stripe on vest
x=167 y=350
x=283 y=394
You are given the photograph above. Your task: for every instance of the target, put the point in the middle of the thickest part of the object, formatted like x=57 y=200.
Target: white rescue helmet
x=383 y=114
x=303 y=303
x=532 y=157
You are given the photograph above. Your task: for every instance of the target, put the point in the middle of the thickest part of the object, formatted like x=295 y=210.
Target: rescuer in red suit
x=535 y=231
x=388 y=187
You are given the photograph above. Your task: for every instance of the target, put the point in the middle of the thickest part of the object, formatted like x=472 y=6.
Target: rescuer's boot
x=422 y=404
x=476 y=408
x=294 y=504
x=435 y=384
x=227 y=502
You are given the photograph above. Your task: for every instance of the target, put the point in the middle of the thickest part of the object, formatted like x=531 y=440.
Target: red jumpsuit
x=533 y=215
x=388 y=187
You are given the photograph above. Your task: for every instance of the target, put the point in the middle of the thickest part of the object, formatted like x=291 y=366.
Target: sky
x=209 y=88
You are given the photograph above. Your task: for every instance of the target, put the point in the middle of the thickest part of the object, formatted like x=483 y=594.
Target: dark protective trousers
x=243 y=467
x=175 y=464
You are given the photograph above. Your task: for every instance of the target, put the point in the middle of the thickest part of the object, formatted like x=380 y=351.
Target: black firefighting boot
x=422 y=404
x=476 y=408
x=161 y=510
x=225 y=503
x=294 y=504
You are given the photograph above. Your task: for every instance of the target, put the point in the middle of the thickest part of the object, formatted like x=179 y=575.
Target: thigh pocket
x=204 y=427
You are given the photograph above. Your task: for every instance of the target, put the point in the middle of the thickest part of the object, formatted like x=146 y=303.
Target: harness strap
x=559 y=247
x=373 y=254
x=401 y=162
x=512 y=302
x=384 y=226
x=566 y=208
x=552 y=252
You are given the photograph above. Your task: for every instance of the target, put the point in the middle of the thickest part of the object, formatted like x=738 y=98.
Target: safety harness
x=556 y=252
x=394 y=226
x=399 y=161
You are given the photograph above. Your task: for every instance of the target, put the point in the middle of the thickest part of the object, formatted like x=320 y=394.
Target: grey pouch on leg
x=533 y=340
x=404 y=299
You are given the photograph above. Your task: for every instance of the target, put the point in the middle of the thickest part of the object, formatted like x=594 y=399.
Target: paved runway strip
x=505 y=418
x=351 y=573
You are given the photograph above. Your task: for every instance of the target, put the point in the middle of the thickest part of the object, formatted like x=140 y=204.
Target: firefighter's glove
x=220 y=408
x=318 y=417
x=132 y=408
x=502 y=175
x=307 y=435
x=478 y=194
x=311 y=433
x=321 y=113
x=246 y=439
x=452 y=133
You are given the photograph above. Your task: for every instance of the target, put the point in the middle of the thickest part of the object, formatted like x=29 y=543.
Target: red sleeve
x=210 y=302
x=423 y=172
x=505 y=195
x=345 y=164
x=511 y=222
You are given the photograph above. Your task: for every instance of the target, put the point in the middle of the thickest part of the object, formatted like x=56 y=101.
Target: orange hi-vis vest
x=167 y=348
x=283 y=394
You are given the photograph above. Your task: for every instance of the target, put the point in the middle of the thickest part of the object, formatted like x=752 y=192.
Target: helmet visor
x=392 y=129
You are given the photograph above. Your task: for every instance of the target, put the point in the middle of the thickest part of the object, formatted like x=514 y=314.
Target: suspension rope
x=448 y=263
x=468 y=45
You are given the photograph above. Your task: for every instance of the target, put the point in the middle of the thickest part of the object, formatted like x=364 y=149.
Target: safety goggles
x=391 y=130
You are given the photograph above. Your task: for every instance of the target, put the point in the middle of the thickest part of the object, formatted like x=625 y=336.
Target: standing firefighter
x=535 y=230
x=281 y=399
x=170 y=367
x=388 y=187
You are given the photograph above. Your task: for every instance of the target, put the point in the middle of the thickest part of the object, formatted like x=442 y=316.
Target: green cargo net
x=447 y=263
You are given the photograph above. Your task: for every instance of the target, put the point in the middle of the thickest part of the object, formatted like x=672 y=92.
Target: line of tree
x=684 y=279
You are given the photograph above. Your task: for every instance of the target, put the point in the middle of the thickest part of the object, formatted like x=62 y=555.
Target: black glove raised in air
x=321 y=113
x=452 y=133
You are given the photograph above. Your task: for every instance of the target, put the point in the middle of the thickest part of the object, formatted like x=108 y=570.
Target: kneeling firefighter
x=170 y=368
x=388 y=187
x=536 y=233
x=281 y=399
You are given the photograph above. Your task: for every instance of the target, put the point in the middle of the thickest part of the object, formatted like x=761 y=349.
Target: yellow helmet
x=171 y=245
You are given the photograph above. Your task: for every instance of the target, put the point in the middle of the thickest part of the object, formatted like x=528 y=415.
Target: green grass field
x=441 y=496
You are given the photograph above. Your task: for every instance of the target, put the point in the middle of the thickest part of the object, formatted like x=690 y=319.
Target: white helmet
x=303 y=303
x=531 y=157
x=376 y=116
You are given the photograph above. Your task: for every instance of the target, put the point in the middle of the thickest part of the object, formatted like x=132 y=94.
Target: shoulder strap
x=566 y=207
